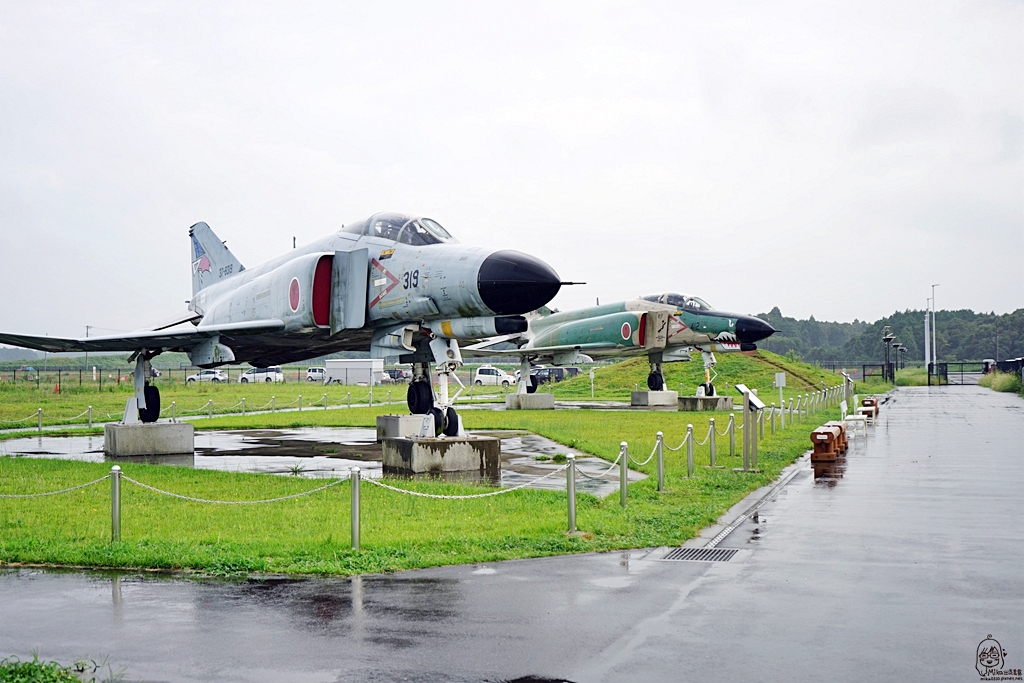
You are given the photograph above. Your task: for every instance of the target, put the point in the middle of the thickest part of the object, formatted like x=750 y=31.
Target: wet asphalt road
x=892 y=569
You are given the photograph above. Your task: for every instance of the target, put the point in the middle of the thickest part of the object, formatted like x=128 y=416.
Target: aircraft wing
x=143 y=339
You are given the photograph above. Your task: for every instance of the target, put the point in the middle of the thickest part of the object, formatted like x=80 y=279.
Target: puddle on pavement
x=326 y=452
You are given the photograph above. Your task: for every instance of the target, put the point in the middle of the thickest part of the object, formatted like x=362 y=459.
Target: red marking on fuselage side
x=391 y=285
x=643 y=329
x=322 y=291
x=293 y=294
x=626 y=331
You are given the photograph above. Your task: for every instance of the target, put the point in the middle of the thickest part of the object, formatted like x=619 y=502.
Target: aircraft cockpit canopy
x=402 y=228
x=681 y=300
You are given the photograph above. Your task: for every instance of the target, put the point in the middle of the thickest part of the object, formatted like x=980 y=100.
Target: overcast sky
x=833 y=159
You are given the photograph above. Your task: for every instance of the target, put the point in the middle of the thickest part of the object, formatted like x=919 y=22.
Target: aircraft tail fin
x=211 y=259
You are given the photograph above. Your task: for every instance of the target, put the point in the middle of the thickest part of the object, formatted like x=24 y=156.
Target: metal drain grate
x=701 y=554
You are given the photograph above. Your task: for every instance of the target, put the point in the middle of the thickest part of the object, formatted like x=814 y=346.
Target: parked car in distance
x=398 y=374
x=208 y=376
x=488 y=374
x=316 y=374
x=271 y=374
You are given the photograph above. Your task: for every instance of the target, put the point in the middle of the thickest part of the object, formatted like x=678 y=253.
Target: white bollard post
x=115 y=503
x=90 y=417
x=272 y=406
x=300 y=403
x=354 y=479
x=174 y=411
x=660 y=448
x=570 y=491
x=732 y=435
x=325 y=401
x=623 y=472
x=209 y=405
x=348 y=398
x=39 y=419
x=243 y=406
x=711 y=440
x=689 y=451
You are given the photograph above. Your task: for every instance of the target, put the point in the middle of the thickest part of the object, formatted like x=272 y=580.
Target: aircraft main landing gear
x=144 y=406
x=655 y=380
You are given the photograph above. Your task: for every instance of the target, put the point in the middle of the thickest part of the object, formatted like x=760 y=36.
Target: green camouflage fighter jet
x=664 y=327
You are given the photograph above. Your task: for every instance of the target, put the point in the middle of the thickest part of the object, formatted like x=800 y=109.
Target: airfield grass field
x=18 y=404
x=311 y=534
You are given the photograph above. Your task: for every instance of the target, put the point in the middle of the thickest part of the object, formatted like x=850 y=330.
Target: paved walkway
x=892 y=569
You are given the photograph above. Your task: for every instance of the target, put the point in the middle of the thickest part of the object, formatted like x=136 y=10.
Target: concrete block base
x=653 y=398
x=696 y=404
x=394 y=426
x=158 y=438
x=480 y=454
x=529 y=402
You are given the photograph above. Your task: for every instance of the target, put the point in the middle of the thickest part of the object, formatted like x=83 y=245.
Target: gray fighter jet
x=394 y=285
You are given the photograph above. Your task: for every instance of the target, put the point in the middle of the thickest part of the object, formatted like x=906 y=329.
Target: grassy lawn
x=311 y=534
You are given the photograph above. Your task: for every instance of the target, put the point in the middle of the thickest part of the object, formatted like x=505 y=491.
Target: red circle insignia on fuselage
x=293 y=294
x=626 y=331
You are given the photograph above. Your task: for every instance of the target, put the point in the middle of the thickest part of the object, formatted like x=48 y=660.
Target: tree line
x=961 y=335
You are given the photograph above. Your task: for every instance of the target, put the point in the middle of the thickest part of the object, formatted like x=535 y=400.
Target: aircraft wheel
x=439 y=421
x=532 y=389
x=420 y=398
x=451 y=422
x=656 y=381
x=709 y=389
x=151 y=413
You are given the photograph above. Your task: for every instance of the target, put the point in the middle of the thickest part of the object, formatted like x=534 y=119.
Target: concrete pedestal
x=158 y=438
x=654 y=398
x=695 y=404
x=393 y=426
x=529 y=402
x=481 y=454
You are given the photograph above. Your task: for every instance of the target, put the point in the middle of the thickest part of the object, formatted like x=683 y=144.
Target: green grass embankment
x=1002 y=381
x=311 y=534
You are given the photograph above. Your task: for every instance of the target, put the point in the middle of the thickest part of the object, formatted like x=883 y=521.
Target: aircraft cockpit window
x=356 y=228
x=675 y=299
x=699 y=304
x=417 y=235
x=435 y=229
x=388 y=225
x=656 y=298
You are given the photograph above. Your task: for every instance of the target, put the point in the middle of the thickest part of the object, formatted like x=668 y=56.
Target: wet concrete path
x=893 y=571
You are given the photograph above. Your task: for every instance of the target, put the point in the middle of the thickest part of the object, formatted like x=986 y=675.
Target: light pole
x=87 y=328
x=935 y=348
x=886 y=342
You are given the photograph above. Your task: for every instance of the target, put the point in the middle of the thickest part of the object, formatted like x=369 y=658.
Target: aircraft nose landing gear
x=420 y=396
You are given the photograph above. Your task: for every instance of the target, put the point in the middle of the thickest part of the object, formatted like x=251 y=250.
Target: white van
x=316 y=374
x=271 y=374
x=488 y=374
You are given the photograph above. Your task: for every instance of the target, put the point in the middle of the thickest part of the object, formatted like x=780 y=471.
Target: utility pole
x=927 y=335
x=935 y=347
x=87 y=328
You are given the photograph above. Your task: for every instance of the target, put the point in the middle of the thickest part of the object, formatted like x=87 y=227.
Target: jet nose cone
x=513 y=283
x=750 y=330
